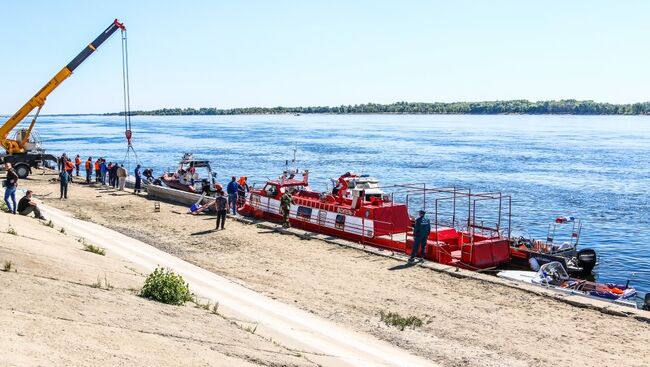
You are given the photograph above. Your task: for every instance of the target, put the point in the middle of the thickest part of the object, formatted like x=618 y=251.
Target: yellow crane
x=17 y=149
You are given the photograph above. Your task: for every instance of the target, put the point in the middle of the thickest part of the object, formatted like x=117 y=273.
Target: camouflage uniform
x=285 y=207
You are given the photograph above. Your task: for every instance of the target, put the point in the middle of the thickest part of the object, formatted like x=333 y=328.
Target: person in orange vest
x=89 y=169
x=69 y=167
x=97 y=170
x=77 y=163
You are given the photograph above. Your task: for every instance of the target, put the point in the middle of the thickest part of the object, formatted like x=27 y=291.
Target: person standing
x=97 y=169
x=69 y=167
x=61 y=162
x=285 y=205
x=112 y=174
x=103 y=169
x=421 y=231
x=138 y=180
x=77 y=163
x=11 y=183
x=221 y=205
x=232 y=189
x=121 y=177
x=242 y=190
x=89 y=169
x=64 y=179
x=26 y=205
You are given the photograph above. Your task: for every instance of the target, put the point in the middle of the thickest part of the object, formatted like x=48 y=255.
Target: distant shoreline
x=509 y=107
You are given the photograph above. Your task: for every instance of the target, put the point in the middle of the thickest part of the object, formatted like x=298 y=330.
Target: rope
x=126 y=84
x=127 y=104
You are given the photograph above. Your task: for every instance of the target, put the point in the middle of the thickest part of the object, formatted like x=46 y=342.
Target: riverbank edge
x=604 y=307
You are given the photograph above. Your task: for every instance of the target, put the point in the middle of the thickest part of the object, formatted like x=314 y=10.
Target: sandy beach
x=466 y=322
x=63 y=306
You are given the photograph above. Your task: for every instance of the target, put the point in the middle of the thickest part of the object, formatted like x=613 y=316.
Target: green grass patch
x=94 y=249
x=401 y=322
x=12 y=230
x=90 y=247
x=163 y=285
x=7 y=265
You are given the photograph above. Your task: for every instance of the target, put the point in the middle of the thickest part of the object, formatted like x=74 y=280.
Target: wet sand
x=466 y=322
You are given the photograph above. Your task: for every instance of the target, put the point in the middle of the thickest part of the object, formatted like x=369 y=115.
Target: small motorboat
x=561 y=245
x=188 y=178
x=553 y=275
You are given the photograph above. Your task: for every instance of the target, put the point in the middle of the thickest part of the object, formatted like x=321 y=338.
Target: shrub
x=399 y=321
x=163 y=285
x=94 y=249
x=7 y=266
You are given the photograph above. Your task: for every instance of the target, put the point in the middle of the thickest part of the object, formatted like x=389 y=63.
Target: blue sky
x=268 y=53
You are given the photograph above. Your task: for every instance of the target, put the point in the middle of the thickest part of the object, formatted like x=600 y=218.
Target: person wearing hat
x=421 y=231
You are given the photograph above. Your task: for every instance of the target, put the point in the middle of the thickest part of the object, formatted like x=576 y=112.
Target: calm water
x=594 y=168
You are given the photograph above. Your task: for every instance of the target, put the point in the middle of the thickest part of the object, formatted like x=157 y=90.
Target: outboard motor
x=586 y=260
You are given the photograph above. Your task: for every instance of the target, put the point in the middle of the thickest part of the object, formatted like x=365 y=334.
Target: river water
x=590 y=167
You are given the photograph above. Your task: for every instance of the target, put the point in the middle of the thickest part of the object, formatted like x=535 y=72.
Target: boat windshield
x=554 y=271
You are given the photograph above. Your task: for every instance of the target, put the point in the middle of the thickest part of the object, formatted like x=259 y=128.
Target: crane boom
x=38 y=100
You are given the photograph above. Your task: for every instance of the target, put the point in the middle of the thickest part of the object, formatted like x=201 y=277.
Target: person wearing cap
x=421 y=231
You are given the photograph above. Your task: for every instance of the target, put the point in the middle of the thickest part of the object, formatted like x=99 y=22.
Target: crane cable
x=127 y=103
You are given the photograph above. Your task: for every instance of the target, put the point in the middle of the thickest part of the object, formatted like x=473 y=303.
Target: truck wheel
x=22 y=170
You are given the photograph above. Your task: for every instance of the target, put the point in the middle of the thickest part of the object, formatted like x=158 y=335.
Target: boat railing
x=340 y=222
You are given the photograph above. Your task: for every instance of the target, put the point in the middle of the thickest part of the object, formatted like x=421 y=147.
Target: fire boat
x=360 y=210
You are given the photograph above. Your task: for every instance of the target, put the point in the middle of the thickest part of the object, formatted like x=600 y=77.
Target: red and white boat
x=358 y=209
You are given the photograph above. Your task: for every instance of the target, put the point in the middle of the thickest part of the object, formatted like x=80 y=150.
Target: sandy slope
x=467 y=322
x=53 y=313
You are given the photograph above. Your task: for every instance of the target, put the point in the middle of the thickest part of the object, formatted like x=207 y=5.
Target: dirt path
x=466 y=322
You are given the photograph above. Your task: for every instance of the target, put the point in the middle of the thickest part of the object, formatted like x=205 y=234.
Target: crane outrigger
x=18 y=151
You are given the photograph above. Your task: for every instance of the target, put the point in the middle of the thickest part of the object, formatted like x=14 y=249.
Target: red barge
x=358 y=209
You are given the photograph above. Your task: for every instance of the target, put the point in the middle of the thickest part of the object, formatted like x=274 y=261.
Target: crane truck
x=22 y=152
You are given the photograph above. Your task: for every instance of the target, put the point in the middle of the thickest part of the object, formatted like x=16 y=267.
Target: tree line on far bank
x=559 y=107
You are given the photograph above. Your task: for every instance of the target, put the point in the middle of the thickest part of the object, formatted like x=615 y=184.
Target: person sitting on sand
x=26 y=205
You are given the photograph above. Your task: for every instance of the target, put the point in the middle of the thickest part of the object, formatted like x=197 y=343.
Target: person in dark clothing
x=112 y=176
x=138 y=180
x=61 y=162
x=10 y=184
x=421 y=231
x=26 y=205
x=64 y=179
x=221 y=205
x=232 y=189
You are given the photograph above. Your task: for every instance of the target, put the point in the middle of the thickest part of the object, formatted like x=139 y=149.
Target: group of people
x=26 y=204
x=111 y=173
x=221 y=204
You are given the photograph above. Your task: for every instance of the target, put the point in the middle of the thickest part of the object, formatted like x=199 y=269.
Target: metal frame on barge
x=380 y=221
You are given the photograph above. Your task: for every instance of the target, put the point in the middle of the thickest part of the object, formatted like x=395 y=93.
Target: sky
x=312 y=53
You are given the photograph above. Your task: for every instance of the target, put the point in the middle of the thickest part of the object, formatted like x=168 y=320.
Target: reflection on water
x=595 y=168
